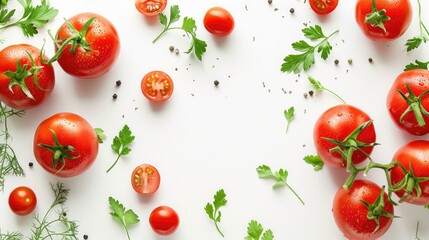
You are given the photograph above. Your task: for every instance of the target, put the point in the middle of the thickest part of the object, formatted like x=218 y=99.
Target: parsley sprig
x=121 y=144
x=319 y=87
x=315 y=161
x=188 y=25
x=212 y=210
x=305 y=59
x=417 y=65
x=255 y=231
x=289 y=115
x=125 y=217
x=416 y=41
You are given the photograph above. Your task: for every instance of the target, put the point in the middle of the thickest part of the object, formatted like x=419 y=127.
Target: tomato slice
x=145 y=179
x=323 y=7
x=157 y=86
x=150 y=7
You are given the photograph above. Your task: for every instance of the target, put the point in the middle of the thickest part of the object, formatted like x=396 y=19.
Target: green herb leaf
x=289 y=115
x=255 y=231
x=121 y=144
x=268 y=235
x=189 y=25
x=212 y=210
x=11 y=236
x=5 y=16
x=418 y=65
x=319 y=87
x=125 y=217
x=163 y=19
x=100 y=135
x=416 y=41
x=313 y=33
x=315 y=161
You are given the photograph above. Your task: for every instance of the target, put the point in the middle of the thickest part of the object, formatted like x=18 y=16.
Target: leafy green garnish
x=319 y=87
x=212 y=210
x=303 y=61
x=289 y=115
x=11 y=236
x=100 y=135
x=255 y=231
x=418 y=65
x=416 y=41
x=315 y=161
x=280 y=176
x=188 y=25
x=121 y=144
x=125 y=217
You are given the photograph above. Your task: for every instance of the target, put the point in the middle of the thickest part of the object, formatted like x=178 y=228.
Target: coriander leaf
x=289 y=115
x=199 y=48
x=315 y=161
x=100 y=135
x=174 y=13
x=416 y=41
x=189 y=25
x=298 y=62
x=313 y=33
x=268 y=235
x=319 y=87
x=418 y=65
x=324 y=49
x=162 y=19
x=254 y=230
x=212 y=210
x=264 y=171
x=121 y=144
x=5 y=16
x=125 y=217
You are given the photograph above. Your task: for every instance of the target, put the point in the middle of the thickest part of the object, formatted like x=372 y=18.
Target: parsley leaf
x=255 y=231
x=319 y=87
x=125 y=217
x=212 y=210
x=197 y=45
x=289 y=115
x=121 y=144
x=416 y=41
x=315 y=161
x=280 y=176
x=418 y=65
x=100 y=135
x=305 y=59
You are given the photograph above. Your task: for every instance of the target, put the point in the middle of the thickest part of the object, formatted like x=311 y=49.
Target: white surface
x=206 y=138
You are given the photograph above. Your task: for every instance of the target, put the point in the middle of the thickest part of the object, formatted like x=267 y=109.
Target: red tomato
x=351 y=214
x=219 y=22
x=323 y=7
x=411 y=114
x=97 y=47
x=65 y=144
x=145 y=179
x=414 y=163
x=18 y=87
x=150 y=7
x=400 y=13
x=164 y=220
x=337 y=123
x=22 y=201
x=157 y=86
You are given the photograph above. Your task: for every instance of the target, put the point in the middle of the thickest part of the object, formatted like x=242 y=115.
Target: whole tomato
x=65 y=144
x=22 y=201
x=409 y=177
x=218 y=21
x=164 y=220
x=353 y=208
x=386 y=26
x=408 y=101
x=87 y=45
x=340 y=131
x=25 y=81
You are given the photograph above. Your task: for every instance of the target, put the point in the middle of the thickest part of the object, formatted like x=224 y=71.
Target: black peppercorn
x=118 y=83
x=115 y=96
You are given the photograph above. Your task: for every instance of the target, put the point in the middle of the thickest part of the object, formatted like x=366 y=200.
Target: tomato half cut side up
x=157 y=86
x=145 y=179
x=323 y=7
x=150 y=7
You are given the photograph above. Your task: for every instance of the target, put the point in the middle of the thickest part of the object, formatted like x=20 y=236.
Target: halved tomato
x=150 y=7
x=323 y=7
x=157 y=86
x=145 y=179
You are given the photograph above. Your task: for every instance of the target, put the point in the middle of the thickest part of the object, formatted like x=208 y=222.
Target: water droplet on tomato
x=96 y=53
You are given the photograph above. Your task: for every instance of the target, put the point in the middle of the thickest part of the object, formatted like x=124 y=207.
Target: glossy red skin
x=145 y=179
x=103 y=40
x=416 y=154
x=162 y=80
x=399 y=11
x=337 y=123
x=142 y=7
x=71 y=129
x=418 y=80
x=164 y=220
x=323 y=7
x=22 y=201
x=218 y=21
x=17 y=99
x=350 y=213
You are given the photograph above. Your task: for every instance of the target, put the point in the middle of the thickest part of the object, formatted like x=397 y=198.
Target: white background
x=205 y=138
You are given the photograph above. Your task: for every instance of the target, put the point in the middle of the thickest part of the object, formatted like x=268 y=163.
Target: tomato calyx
x=414 y=105
x=410 y=183
x=377 y=17
x=60 y=152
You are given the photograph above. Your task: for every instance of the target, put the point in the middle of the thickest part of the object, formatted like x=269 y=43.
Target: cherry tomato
x=323 y=7
x=22 y=201
x=400 y=13
x=351 y=214
x=96 y=50
x=65 y=144
x=157 y=86
x=145 y=179
x=409 y=109
x=30 y=81
x=150 y=7
x=414 y=163
x=219 y=22
x=337 y=123
x=164 y=220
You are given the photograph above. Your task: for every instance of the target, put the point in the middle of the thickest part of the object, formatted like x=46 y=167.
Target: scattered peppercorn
x=270 y=1
x=370 y=60
x=216 y=83
x=350 y=61
x=30 y=164
x=118 y=83
x=115 y=96
x=85 y=236
x=305 y=95
x=336 y=61
x=292 y=10
x=311 y=92
x=171 y=48
x=64 y=214
x=176 y=51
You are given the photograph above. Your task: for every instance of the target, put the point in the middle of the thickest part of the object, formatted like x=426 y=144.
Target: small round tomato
x=145 y=179
x=351 y=209
x=408 y=177
x=150 y=7
x=22 y=201
x=93 y=51
x=408 y=101
x=164 y=220
x=157 y=86
x=219 y=22
x=25 y=81
x=351 y=128
x=323 y=7
x=65 y=144
x=399 y=13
